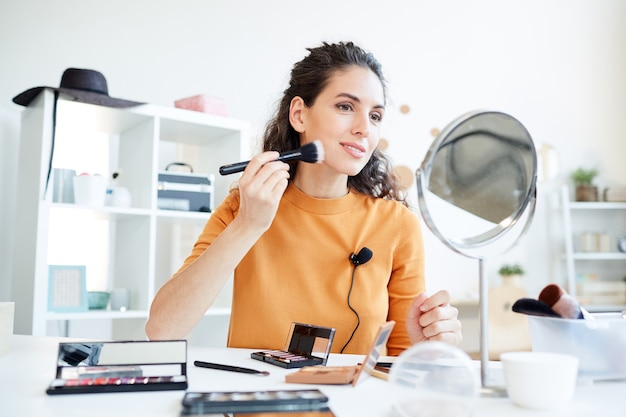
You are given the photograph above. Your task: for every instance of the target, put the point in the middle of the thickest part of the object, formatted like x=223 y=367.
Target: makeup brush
x=562 y=303
x=532 y=307
x=311 y=152
x=229 y=368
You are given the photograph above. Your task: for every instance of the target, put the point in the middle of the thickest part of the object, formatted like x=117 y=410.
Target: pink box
x=203 y=103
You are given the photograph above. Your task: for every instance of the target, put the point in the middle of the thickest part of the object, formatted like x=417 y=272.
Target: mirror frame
x=468 y=245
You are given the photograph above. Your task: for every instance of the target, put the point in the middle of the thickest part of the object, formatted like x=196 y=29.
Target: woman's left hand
x=433 y=318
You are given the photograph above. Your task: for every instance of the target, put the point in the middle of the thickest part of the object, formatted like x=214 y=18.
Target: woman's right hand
x=261 y=187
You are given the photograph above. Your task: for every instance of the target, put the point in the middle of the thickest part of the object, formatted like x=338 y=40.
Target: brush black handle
x=533 y=307
x=240 y=166
x=230 y=368
x=233 y=168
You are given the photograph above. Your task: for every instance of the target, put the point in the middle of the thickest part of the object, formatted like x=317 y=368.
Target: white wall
x=556 y=65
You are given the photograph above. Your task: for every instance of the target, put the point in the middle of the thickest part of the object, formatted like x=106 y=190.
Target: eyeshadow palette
x=199 y=403
x=286 y=359
x=94 y=367
x=307 y=345
x=117 y=384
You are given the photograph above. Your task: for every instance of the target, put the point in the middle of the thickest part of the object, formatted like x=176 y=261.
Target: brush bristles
x=312 y=152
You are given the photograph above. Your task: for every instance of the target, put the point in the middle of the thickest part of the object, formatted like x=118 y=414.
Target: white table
x=27 y=370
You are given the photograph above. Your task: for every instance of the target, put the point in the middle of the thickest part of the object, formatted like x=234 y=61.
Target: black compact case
x=307 y=345
x=124 y=366
x=310 y=401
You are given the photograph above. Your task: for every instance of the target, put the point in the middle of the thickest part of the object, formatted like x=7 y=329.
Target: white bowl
x=540 y=380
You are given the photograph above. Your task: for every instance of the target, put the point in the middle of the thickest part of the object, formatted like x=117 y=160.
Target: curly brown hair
x=308 y=78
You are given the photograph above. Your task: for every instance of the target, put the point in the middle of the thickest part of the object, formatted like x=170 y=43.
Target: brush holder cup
x=599 y=343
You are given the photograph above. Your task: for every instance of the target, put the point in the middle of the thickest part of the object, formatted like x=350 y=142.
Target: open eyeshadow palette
x=307 y=345
x=93 y=367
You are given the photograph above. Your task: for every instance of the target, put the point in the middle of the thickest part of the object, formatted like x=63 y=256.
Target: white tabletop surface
x=26 y=372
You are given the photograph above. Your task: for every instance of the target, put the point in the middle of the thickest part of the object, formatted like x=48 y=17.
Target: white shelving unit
x=607 y=218
x=136 y=247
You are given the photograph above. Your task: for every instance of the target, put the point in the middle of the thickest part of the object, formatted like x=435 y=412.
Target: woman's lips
x=354 y=149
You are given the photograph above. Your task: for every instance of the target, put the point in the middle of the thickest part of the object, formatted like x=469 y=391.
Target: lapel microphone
x=364 y=255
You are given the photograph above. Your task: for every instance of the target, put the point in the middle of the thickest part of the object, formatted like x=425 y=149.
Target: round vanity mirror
x=477 y=194
x=477 y=183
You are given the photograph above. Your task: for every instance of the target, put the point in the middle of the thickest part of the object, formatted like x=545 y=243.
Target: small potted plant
x=583 y=181
x=511 y=274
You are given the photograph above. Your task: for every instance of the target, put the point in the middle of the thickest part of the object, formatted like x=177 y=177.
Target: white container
x=120 y=299
x=540 y=380
x=90 y=190
x=599 y=344
x=63 y=185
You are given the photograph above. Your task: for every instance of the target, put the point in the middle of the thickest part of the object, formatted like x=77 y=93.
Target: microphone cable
x=364 y=255
x=356 y=313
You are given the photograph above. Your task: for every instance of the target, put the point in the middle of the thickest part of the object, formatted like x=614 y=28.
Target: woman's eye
x=344 y=107
x=377 y=117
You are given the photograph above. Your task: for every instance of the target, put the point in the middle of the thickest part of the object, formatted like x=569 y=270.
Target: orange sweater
x=299 y=270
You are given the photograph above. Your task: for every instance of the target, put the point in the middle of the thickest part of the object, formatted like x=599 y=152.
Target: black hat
x=85 y=85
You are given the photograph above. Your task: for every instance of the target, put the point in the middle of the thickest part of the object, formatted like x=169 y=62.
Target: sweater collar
x=321 y=205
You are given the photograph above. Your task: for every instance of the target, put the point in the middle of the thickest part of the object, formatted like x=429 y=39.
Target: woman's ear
x=297 y=113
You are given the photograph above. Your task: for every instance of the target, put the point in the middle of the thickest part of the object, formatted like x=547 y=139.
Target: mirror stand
x=477 y=193
x=483 y=302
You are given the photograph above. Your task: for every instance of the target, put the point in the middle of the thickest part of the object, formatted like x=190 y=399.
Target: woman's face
x=346 y=117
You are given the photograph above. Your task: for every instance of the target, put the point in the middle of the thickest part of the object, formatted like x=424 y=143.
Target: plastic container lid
x=435 y=379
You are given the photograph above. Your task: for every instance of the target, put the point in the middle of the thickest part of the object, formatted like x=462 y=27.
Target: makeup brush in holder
x=562 y=303
x=553 y=302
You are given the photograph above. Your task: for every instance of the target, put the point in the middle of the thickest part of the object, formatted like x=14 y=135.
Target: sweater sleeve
x=407 y=280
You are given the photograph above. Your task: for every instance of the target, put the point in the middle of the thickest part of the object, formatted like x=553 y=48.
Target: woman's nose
x=361 y=125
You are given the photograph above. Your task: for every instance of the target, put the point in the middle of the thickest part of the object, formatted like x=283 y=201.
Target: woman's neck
x=318 y=182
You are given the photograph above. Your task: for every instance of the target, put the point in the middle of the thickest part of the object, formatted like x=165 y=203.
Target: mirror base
x=493 y=392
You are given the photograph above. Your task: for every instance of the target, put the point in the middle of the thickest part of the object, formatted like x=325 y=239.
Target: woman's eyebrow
x=355 y=98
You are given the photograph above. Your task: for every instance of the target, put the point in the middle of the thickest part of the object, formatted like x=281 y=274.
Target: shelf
x=138 y=247
x=218 y=311
x=597 y=205
x=131 y=211
x=183 y=215
x=600 y=256
x=591 y=224
x=131 y=314
x=104 y=210
x=97 y=314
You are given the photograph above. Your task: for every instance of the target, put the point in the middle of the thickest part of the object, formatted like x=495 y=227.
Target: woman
x=288 y=232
